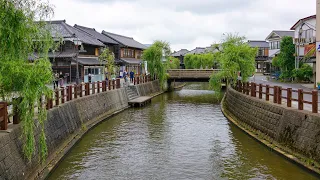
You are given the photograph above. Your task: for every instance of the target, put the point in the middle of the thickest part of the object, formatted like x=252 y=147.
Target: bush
x=304 y=73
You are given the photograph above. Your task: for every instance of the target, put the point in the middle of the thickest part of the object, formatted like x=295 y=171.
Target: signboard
x=318 y=46
x=309 y=50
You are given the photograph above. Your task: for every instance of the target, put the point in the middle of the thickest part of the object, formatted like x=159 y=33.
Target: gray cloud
x=185 y=23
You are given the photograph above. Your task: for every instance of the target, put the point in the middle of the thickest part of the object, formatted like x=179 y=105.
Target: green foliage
x=154 y=56
x=304 y=73
x=107 y=57
x=275 y=61
x=23 y=32
x=173 y=63
x=198 y=61
x=286 y=59
x=236 y=56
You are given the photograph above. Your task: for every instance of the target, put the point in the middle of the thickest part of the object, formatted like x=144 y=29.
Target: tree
x=23 y=32
x=304 y=73
x=188 y=61
x=154 y=57
x=173 y=63
x=236 y=56
x=107 y=57
x=286 y=57
x=197 y=61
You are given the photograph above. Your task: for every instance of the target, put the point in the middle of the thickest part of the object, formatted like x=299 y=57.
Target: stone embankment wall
x=295 y=132
x=65 y=125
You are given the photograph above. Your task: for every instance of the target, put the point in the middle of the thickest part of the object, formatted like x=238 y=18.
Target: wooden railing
x=191 y=73
x=297 y=95
x=68 y=93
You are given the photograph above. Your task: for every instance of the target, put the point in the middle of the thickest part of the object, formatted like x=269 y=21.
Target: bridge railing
x=191 y=73
x=280 y=95
x=63 y=95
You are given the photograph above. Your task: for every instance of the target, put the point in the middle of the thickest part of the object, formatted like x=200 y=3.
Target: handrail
x=70 y=92
x=297 y=95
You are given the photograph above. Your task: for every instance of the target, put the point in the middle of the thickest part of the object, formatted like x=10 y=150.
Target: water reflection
x=181 y=135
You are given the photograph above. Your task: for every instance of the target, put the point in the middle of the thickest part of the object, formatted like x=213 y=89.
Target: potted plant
x=318 y=83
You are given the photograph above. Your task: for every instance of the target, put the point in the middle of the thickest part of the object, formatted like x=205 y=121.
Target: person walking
x=56 y=80
x=125 y=76
x=61 y=79
x=131 y=76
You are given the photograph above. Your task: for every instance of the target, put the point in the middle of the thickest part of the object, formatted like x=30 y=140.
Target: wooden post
x=267 y=92
x=253 y=89
x=62 y=95
x=3 y=116
x=300 y=99
x=138 y=79
x=70 y=92
x=275 y=97
x=289 y=97
x=260 y=91
x=279 y=93
x=314 y=101
x=247 y=88
x=134 y=80
x=113 y=84
x=109 y=84
x=239 y=86
x=98 y=87
x=16 y=114
x=104 y=86
x=87 y=87
x=118 y=83
x=93 y=87
x=75 y=91
x=57 y=98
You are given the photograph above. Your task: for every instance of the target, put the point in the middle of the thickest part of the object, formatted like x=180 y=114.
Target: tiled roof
x=89 y=61
x=97 y=35
x=63 y=54
x=181 y=52
x=280 y=33
x=197 y=50
x=124 y=40
x=60 y=29
x=132 y=60
x=262 y=44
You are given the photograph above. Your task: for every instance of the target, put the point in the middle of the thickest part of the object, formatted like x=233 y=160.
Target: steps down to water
x=132 y=92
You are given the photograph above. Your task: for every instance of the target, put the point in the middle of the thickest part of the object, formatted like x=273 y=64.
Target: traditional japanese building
x=262 y=55
x=180 y=55
x=130 y=52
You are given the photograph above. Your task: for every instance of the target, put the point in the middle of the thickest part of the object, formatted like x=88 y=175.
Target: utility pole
x=318 y=40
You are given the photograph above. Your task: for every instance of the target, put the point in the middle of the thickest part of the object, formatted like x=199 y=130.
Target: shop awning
x=89 y=61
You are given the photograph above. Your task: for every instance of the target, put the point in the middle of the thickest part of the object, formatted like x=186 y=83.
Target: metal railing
x=291 y=95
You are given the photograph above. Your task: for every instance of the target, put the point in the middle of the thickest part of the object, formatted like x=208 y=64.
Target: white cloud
x=185 y=23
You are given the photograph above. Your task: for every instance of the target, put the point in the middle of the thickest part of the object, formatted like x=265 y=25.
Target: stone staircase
x=132 y=92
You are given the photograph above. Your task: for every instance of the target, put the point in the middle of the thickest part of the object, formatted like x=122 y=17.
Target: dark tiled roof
x=181 y=52
x=97 y=35
x=197 y=50
x=127 y=41
x=131 y=60
x=64 y=54
x=262 y=44
x=89 y=61
x=60 y=29
x=284 y=33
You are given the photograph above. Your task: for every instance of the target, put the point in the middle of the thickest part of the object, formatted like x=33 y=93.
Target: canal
x=181 y=135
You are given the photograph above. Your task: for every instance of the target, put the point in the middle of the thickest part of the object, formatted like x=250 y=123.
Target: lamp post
x=77 y=42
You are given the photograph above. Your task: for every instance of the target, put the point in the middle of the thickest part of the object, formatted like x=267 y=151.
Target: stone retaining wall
x=63 y=127
x=148 y=88
x=296 y=131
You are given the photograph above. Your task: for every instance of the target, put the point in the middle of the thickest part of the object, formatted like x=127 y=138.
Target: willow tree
x=107 y=57
x=235 y=56
x=23 y=32
x=155 y=56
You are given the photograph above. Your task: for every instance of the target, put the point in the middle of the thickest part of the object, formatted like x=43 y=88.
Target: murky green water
x=181 y=135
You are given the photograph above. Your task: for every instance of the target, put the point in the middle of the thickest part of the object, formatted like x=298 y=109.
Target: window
x=260 y=52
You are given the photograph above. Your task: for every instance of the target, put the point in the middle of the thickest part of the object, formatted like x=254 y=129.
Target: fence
x=68 y=93
x=277 y=92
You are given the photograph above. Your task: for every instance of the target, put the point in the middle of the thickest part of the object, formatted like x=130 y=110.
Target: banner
x=310 y=50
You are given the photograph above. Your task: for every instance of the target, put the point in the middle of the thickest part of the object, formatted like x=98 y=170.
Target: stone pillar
x=318 y=40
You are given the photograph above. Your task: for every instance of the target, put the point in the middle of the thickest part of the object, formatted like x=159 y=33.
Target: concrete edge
x=180 y=86
x=295 y=158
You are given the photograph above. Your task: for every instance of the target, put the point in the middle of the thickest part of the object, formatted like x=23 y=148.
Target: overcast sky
x=184 y=23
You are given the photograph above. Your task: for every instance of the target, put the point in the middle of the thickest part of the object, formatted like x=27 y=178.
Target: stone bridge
x=191 y=75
